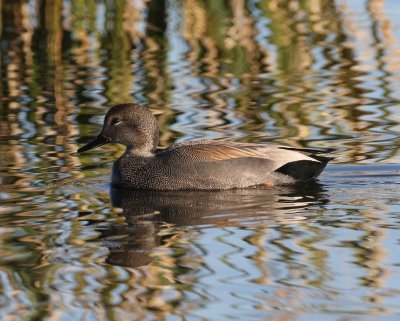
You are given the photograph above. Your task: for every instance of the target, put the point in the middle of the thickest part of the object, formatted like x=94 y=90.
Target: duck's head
x=128 y=124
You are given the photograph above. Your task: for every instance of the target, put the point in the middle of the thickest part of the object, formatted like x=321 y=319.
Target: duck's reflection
x=146 y=211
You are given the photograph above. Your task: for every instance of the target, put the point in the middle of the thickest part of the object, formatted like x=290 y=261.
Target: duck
x=197 y=165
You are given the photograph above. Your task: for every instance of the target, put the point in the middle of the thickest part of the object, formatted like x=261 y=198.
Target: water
x=318 y=74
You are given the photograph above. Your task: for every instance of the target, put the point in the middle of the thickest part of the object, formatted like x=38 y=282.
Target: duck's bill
x=97 y=142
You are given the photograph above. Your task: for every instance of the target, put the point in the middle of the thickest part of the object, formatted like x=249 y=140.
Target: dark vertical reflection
x=15 y=59
x=117 y=49
x=157 y=19
x=155 y=53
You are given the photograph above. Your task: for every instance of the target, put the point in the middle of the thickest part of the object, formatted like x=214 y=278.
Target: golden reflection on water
x=310 y=73
x=312 y=69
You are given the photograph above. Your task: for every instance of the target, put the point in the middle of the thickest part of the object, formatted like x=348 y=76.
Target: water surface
x=318 y=74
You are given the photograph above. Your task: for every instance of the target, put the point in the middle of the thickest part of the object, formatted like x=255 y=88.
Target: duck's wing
x=279 y=156
x=230 y=164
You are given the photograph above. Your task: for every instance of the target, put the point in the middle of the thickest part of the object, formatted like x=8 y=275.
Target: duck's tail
x=304 y=170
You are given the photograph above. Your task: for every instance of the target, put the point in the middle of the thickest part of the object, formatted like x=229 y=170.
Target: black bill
x=98 y=141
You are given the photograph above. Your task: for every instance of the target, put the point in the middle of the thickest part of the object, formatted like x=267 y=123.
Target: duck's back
x=216 y=165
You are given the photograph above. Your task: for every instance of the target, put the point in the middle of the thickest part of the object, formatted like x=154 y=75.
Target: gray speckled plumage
x=197 y=165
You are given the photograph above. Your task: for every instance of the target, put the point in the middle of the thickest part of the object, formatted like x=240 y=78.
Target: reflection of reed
x=226 y=40
x=17 y=37
x=370 y=251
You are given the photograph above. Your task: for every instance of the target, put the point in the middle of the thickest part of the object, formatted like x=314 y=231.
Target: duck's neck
x=138 y=152
x=142 y=145
x=144 y=148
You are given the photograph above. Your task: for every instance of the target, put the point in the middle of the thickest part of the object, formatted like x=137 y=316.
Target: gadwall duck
x=197 y=165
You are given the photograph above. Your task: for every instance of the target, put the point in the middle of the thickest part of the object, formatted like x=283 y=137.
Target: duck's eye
x=115 y=121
